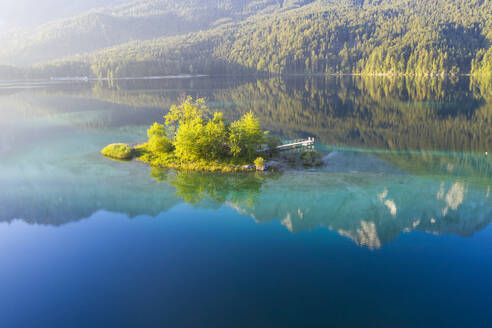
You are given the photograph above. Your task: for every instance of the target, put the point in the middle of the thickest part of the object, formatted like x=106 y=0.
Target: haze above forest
x=29 y=13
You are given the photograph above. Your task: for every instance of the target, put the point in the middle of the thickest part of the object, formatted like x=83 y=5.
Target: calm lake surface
x=394 y=230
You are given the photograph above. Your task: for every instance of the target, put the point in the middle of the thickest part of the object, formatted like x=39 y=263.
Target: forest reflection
x=371 y=208
x=400 y=154
x=373 y=112
x=394 y=114
x=364 y=112
x=241 y=189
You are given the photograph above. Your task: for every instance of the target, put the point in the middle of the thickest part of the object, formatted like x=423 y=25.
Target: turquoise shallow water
x=393 y=231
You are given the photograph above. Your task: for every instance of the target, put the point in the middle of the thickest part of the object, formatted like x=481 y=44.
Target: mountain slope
x=135 y=20
x=413 y=37
x=423 y=37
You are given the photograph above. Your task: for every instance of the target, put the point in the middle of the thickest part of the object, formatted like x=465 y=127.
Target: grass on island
x=118 y=151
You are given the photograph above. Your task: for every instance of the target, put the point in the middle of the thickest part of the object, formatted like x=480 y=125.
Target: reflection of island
x=371 y=207
x=357 y=195
x=369 y=196
x=198 y=188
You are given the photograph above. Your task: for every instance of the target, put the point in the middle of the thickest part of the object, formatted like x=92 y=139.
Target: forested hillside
x=135 y=20
x=412 y=37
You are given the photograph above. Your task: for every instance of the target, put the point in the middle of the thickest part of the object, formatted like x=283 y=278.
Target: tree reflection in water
x=401 y=154
x=369 y=204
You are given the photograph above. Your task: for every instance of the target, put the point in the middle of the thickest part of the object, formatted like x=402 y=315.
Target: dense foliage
x=117 y=24
x=424 y=37
x=200 y=142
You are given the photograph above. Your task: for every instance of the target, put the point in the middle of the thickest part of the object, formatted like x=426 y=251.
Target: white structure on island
x=297 y=143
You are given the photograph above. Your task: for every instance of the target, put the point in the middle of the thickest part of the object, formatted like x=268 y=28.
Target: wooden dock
x=296 y=144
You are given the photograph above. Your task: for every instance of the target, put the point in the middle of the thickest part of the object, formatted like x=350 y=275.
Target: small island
x=192 y=138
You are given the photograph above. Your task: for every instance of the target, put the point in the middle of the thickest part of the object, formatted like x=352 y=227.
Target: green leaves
x=197 y=137
x=246 y=136
x=188 y=111
x=158 y=140
x=160 y=144
x=189 y=140
x=157 y=130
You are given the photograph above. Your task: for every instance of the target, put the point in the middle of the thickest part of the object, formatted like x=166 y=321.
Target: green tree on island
x=194 y=139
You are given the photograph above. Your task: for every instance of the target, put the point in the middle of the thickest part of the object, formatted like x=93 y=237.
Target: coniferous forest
x=162 y=37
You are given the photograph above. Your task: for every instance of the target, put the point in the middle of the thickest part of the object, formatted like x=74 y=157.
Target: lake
x=393 y=231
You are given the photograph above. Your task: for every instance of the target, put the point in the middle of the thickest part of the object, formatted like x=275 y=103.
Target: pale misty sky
x=34 y=12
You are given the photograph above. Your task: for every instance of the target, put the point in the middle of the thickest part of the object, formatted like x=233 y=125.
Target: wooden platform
x=296 y=144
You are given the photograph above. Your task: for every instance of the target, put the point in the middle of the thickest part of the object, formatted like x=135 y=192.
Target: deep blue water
x=189 y=267
x=394 y=230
